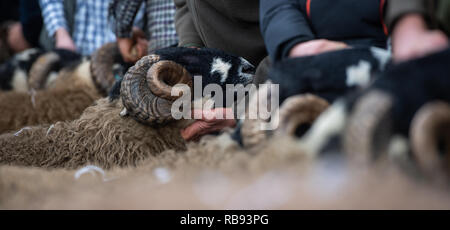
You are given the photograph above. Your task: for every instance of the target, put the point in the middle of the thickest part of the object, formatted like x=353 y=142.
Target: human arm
x=56 y=24
x=283 y=25
x=16 y=40
x=124 y=12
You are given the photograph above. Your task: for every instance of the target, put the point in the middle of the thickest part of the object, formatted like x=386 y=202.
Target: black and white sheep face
x=232 y=72
x=215 y=66
x=14 y=72
x=208 y=72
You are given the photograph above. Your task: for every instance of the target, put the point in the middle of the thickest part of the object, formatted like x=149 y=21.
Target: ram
x=403 y=116
x=409 y=101
x=60 y=88
x=123 y=130
x=307 y=85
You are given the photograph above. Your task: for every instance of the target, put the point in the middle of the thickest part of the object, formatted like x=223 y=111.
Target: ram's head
x=47 y=66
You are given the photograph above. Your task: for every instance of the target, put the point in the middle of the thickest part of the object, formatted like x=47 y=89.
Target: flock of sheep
x=79 y=133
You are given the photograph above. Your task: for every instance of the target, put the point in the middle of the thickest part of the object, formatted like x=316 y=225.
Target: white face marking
x=19 y=81
x=221 y=67
x=383 y=56
x=359 y=75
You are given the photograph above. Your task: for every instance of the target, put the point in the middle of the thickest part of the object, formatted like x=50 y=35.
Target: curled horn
x=146 y=89
x=300 y=110
x=430 y=130
x=294 y=112
x=368 y=127
x=102 y=63
x=40 y=70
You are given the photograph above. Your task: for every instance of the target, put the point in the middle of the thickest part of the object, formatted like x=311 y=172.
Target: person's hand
x=134 y=48
x=125 y=47
x=64 y=40
x=140 y=48
x=16 y=40
x=412 y=39
x=315 y=47
x=211 y=121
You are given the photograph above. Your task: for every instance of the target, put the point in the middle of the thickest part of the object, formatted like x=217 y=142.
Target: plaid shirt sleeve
x=161 y=24
x=53 y=14
x=122 y=14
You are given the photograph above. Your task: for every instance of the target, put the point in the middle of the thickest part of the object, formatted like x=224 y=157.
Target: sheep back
x=100 y=136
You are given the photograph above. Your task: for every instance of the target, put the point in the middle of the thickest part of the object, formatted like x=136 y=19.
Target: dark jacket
x=31 y=19
x=437 y=13
x=9 y=10
x=228 y=25
x=285 y=23
x=158 y=20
